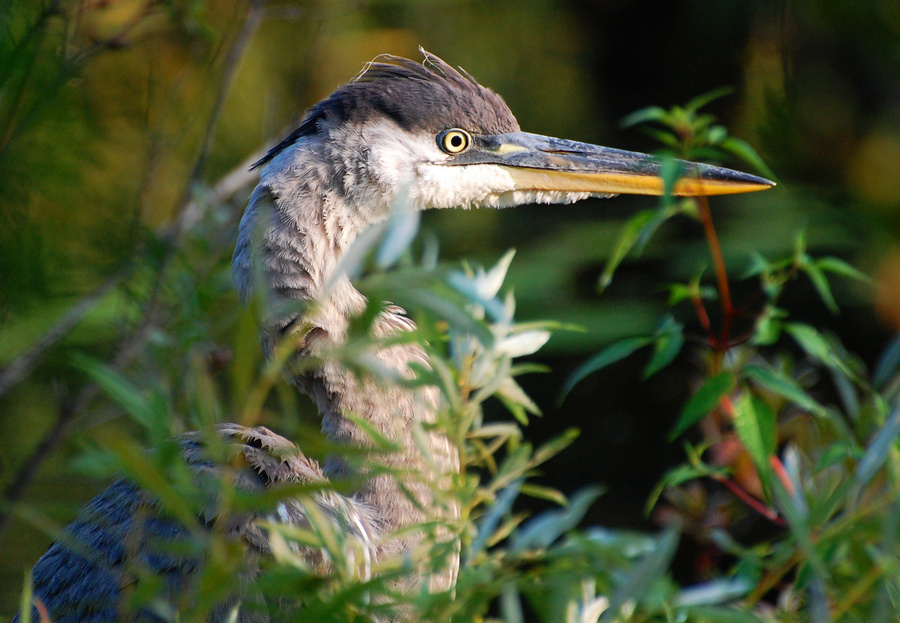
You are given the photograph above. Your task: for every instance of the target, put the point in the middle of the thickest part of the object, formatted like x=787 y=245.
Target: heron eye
x=454 y=141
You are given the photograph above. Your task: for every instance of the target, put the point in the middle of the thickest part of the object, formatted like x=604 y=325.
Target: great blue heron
x=426 y=134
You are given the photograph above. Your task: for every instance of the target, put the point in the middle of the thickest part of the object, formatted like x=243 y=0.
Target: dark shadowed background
x=111 y=173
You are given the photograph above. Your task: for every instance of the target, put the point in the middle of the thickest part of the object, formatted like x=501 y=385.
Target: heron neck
x=298 y=236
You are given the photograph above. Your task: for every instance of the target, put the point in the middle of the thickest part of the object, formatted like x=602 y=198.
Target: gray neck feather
x=298 y=223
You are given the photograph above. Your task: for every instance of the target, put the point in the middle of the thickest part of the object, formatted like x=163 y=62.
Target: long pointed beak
x=544 y=163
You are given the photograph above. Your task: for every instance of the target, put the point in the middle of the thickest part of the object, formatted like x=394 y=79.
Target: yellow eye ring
x=454 y=141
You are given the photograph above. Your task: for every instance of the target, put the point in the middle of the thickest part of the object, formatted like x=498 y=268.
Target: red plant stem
x=715 y=250
x=703 y=317
x=758 y=505
x=782 y=474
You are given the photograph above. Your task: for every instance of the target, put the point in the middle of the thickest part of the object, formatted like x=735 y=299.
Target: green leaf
x=745 y=152
x=703 y=99
x=756 y=426
x=604 y=358
x=674 y=477
x=715 y=591
x=542 y=530
x=645 y=115
x=639 y=229
x=878 y=451
x=488 y=524
x=820 y=282
x=768 y=326
x=625 y=242
x=544 y=493
x=708 y=614
x=888 y=364
x=704 y=401
x=26 y=599
x=818 y=347
x=641 y=578
x=786 y=387
x=670 y=172
x=150 y=412
x=666 y=345
x=842 y=268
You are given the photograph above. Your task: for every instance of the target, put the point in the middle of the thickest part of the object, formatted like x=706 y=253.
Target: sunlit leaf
x=768 y=326
x=704 y=401
x=523 y=343
x=756 y=426
x=716 y=592
x=544 y=493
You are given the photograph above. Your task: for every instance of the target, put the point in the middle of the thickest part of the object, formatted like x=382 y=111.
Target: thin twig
x=715 y=250
x=25 y=363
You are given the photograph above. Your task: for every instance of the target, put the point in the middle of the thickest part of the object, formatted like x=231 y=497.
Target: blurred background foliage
x=126 y=127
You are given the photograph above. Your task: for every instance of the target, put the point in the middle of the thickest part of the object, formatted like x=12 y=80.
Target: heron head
x=432 y=133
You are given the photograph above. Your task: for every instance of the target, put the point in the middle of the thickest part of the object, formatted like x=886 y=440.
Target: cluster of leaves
x=797 y=440
x=794 y=434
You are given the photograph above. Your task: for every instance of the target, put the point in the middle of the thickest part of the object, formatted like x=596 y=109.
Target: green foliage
x=823 y=476
x=796 y=434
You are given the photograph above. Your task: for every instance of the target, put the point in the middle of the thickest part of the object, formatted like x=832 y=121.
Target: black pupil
x=456 y=140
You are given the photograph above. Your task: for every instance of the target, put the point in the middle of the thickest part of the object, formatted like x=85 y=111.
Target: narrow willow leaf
x=745 y=152
x=626 y=241
x=673 y=478
x=878 y=451
x=644 y=115
x=553 y=447
x=511 y=605
x=488 y=524
x=756 y=427
x=122 y=391
x=888 y=364
x=703 y=99
x=401 y=230
x=768 y=326
x=542 y=530
x=642 y=577
x=715 y=592
x=784 y=386
x=666 y=346
x=670 y=172
x=523 y=343
x=704 y=401
x=604 y=358
x=544 y=493
x=709 y=614
x=26 y=599
x=513 y=392
x=842 y=268
x=818 y=347
x=820 y=282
